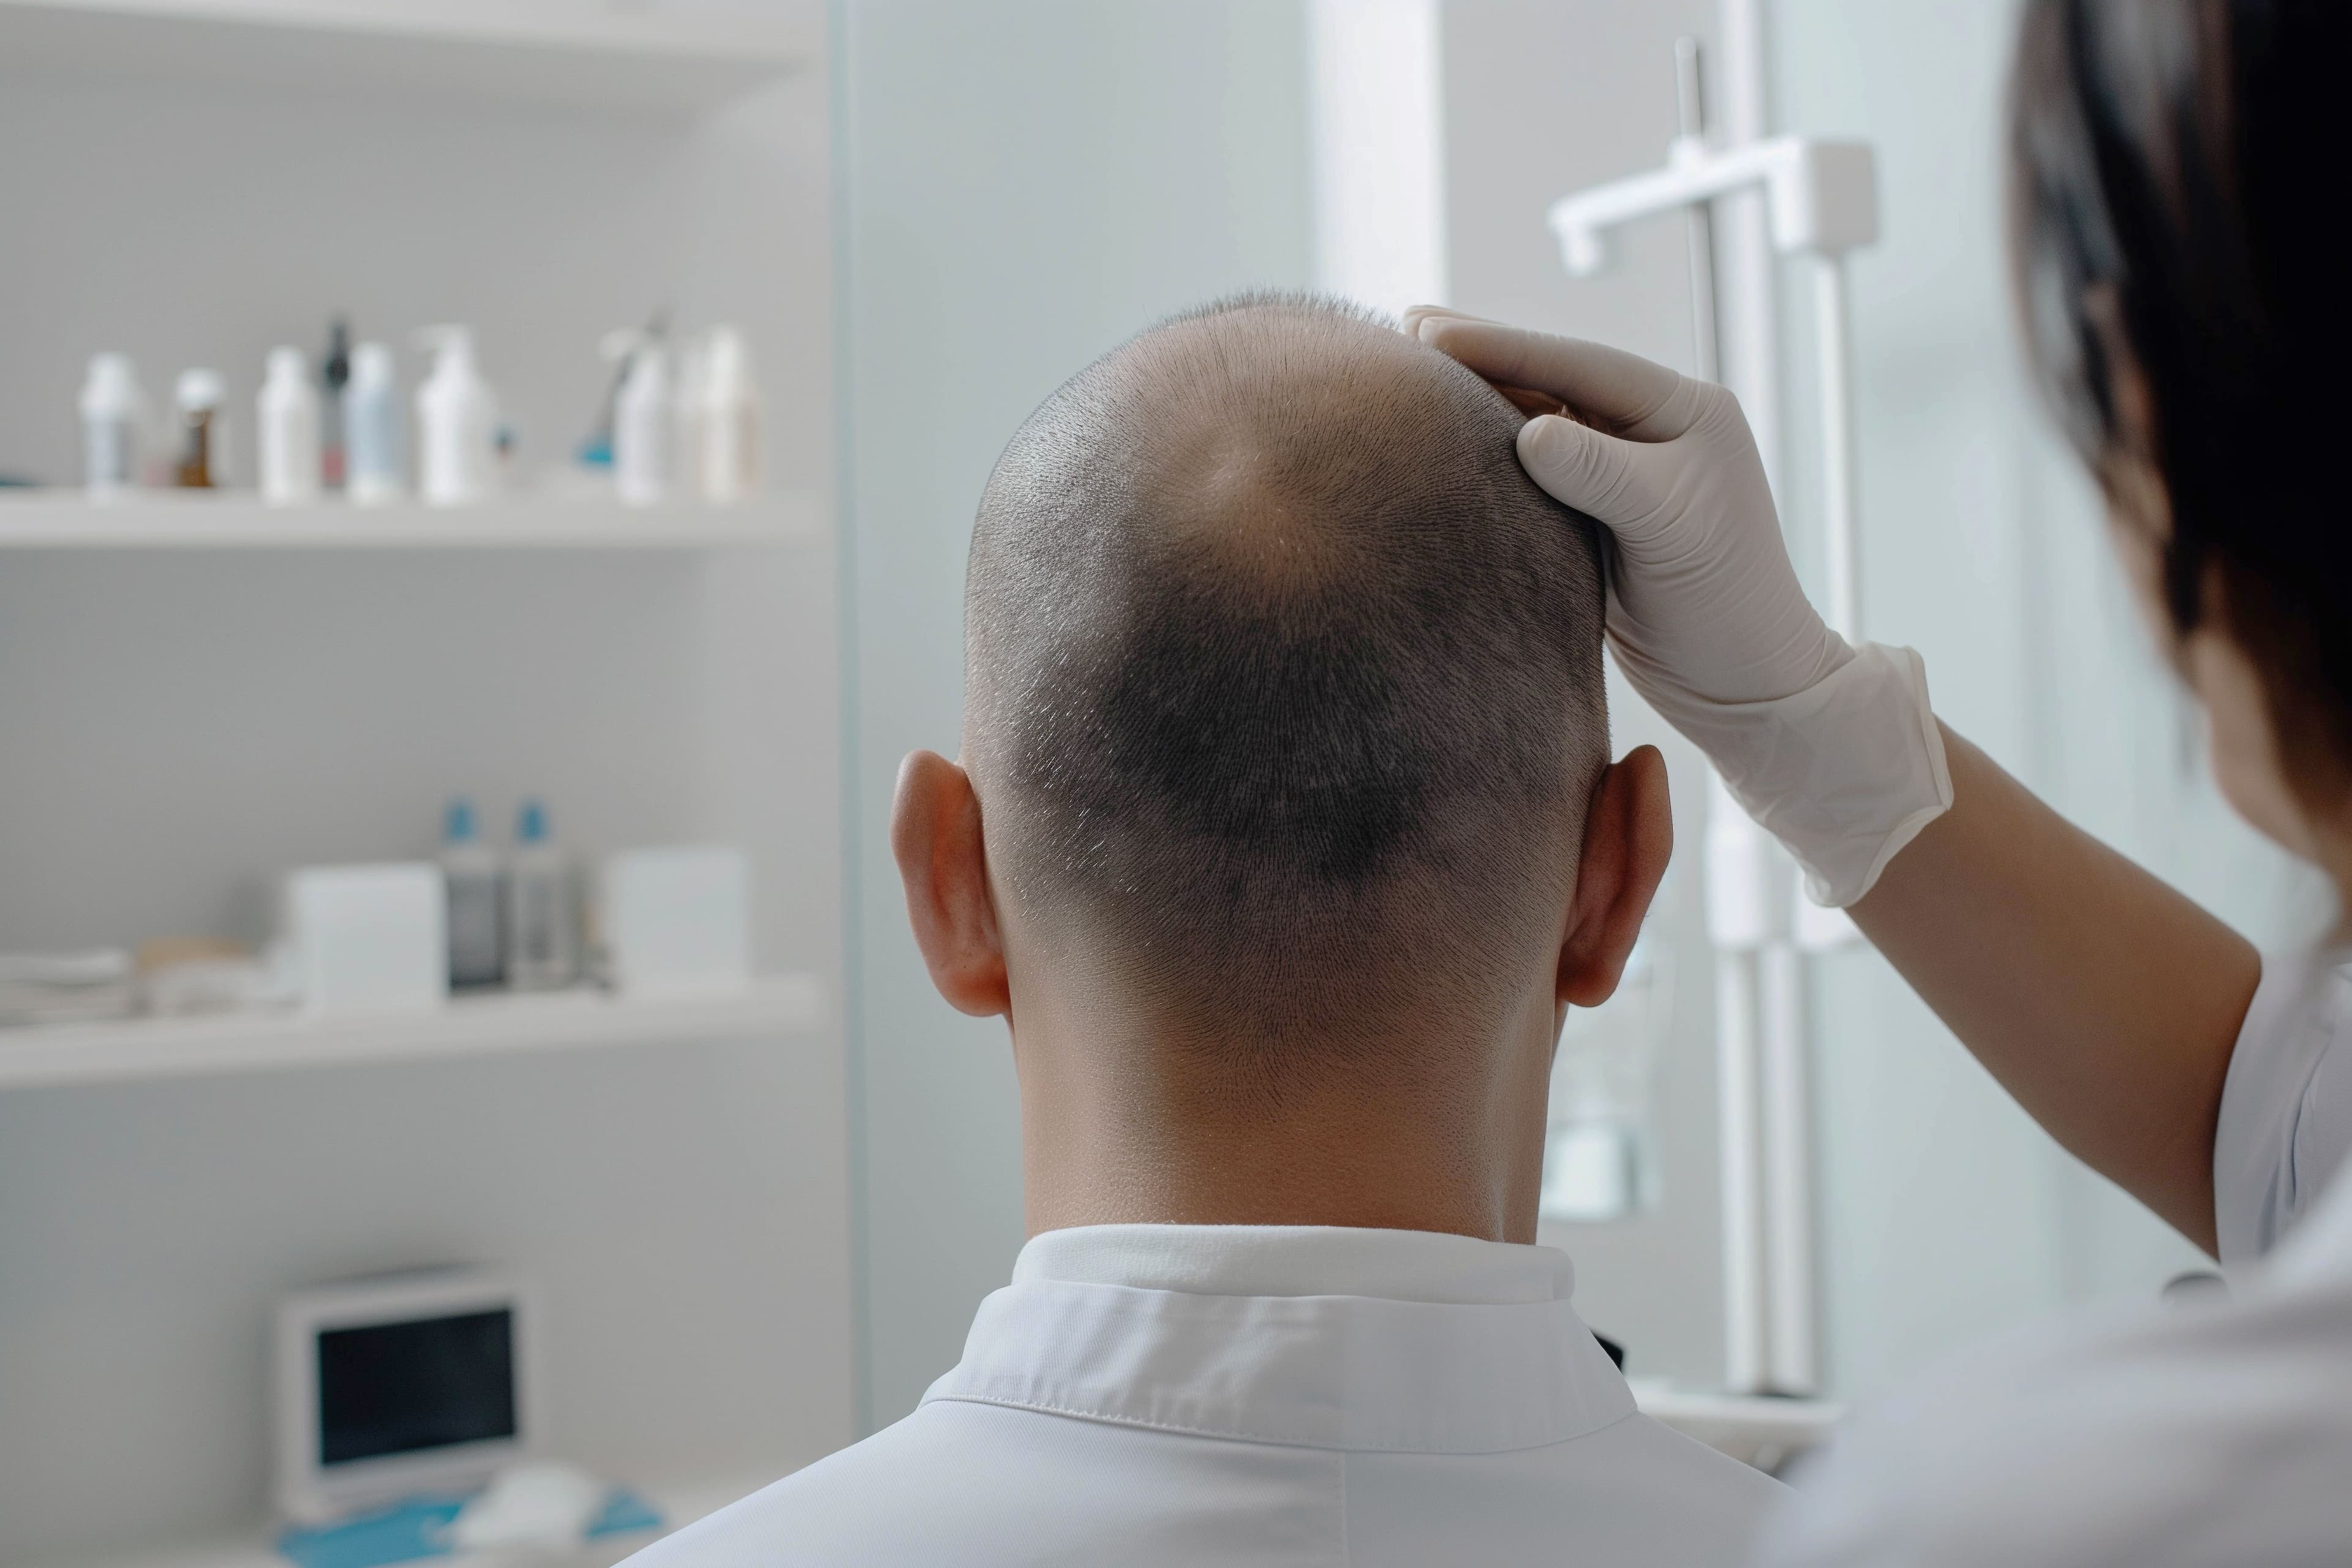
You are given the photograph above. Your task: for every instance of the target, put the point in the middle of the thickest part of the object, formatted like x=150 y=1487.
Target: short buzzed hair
x=1283 y=685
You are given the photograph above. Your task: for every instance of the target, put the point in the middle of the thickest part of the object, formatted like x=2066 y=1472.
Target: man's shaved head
x=1284 y=689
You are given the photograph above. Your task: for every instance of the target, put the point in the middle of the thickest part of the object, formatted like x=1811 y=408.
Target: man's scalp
x=1279 y=670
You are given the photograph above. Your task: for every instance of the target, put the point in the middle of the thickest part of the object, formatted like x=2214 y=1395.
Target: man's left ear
x=1629 y=837
x=943 y=862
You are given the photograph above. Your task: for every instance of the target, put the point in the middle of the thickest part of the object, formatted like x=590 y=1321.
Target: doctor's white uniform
x=2213 y=1433
x=1237 y=1395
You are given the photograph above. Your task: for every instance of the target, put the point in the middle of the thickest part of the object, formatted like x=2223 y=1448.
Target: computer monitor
x=397 y=1384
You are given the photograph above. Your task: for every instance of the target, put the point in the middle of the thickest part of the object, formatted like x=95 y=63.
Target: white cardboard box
x=369 y=938
x=677 y=922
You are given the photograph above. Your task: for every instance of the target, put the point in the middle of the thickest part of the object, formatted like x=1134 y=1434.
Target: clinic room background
x=486 y=495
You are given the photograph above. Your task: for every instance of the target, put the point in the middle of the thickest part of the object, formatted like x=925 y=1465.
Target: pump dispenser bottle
x=372 y=435
x=542 y=908
x=457 y=423
x=286 y=418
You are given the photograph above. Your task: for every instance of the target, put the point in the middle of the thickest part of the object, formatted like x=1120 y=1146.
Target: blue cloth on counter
x=419 y=1527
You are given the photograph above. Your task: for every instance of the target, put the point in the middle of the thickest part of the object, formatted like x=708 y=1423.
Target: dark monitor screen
x=396 y=1388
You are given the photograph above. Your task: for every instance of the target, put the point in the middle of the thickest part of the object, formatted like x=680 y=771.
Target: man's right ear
x=935 y=834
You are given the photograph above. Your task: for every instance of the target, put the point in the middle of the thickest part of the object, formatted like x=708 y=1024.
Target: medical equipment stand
x=1820 y=199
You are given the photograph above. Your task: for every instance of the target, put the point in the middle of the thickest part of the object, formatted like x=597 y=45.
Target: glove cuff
x=1843 y=773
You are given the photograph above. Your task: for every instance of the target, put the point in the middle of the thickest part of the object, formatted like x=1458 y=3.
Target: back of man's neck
x=1396 y=1163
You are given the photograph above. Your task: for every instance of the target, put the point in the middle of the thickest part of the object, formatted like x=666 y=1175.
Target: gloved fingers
x=1530 y=401
x=1527 y=399
x=1606 y=387
x=1416 y=314
x=1611 y=479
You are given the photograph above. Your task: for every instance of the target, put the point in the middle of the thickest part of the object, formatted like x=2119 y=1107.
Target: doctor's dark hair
x=1284 y=687
x=2173 y=173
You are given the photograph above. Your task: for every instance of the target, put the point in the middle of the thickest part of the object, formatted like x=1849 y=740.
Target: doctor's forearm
x=2106 y=1002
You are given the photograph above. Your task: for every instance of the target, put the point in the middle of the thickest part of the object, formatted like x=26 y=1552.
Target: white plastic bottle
x=285 y=421
x=457 y=424
x=477 y=893
x=113 y=421
x=727 y=420
x=642 y=418
x=542 y=908
x=375 y=465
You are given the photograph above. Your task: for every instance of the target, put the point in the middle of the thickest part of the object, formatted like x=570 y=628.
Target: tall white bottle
x=286 y=424
x=727 y=420
x=375 y=463
x=457 y=423
x=113 y=425
x=643 y=419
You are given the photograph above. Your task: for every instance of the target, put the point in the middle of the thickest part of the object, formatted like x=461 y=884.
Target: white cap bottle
x=286 y=422
x=375 y=469
x=727 y=420
x=642 y=418
x=457 y=423
x=114 y=419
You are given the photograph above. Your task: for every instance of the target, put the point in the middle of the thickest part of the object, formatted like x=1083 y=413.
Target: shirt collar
x=1299 y=1260
x=1359 y=1340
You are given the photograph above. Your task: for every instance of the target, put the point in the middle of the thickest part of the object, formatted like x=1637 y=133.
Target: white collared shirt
x=1266 y=1395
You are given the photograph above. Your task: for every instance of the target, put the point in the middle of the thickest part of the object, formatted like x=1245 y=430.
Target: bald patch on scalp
x=1284 y=683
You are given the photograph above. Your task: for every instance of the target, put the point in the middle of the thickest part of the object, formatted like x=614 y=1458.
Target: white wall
x=1026 y=185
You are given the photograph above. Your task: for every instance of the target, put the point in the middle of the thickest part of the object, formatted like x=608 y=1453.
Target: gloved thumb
x=1606 y=477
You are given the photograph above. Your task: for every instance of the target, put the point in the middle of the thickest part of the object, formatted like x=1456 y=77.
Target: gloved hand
x=1831 y=748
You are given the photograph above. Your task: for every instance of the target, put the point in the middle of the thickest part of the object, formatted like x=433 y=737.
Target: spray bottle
x=285 y=421
x=641 y=417
x=457 y=423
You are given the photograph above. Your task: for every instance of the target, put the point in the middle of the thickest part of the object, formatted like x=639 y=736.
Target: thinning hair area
x=1284 y=695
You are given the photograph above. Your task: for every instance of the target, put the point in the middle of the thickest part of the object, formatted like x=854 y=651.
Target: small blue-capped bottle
x=470 y=869
x=542 y=908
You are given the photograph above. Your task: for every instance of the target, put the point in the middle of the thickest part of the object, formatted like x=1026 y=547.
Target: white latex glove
x=1832 y=749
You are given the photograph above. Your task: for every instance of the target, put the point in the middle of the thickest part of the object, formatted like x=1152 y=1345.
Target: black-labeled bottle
x=475 y=883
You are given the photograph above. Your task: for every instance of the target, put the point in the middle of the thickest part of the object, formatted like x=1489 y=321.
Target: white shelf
x=146 y=1049
x=640 y=55
x=163 y=520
